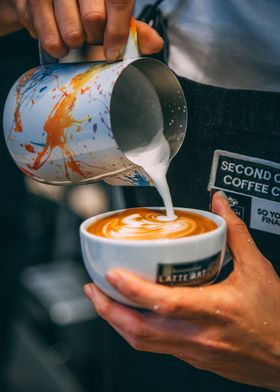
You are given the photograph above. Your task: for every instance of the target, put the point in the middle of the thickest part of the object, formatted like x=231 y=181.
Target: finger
x=118 y=315
x=133 y=324
x=152 y=333
x=93 y=15
x=180 y=345
x=119 y=13
x=145 y=325
x=69 y=23
x=45 y=24
x=24 y=16
x=143 y=331
x=148 y=39
x=29 y=25
x=242 y=245
x=186 y=302
x=141 y=344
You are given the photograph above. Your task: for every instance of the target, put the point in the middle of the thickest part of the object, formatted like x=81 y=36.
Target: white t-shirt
x=228 y=43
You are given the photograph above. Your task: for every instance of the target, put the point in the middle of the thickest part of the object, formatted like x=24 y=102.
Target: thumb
x=240 y=242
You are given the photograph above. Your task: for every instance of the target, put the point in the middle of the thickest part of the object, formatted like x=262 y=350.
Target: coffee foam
x=147 y=224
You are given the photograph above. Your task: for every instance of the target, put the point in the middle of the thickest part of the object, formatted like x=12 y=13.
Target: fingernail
x=89 y=291
x=113 y=278
x=223 y=196
x=113 y=53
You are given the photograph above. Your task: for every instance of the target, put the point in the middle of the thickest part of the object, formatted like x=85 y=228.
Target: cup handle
x=131 y=50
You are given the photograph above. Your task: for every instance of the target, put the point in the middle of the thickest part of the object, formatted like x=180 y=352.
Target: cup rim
x=220 y=221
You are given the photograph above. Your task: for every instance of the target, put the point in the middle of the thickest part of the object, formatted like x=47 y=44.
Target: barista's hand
x=230 y=328
x=64 y=24
x=8 y=18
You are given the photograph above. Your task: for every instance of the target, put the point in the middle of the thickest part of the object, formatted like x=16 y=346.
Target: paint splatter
x=43 y=89
x=29 y=148
x=133 y=29
x=17 y=116
x=57 y=132
x=61 y=119
x=84 y=90
x=26 y=171
x=138 y=179
x=25 y=91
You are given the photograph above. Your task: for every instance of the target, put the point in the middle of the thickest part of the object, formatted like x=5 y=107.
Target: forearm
x=8 y=19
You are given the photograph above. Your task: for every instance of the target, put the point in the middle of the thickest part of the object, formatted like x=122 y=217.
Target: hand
x=64 y=24
x=8 y=18
x=231 y=328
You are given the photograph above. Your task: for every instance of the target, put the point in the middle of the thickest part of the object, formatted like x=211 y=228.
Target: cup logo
x=191 y=273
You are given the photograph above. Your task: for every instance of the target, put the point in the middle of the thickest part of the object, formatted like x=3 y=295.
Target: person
x=230 y=330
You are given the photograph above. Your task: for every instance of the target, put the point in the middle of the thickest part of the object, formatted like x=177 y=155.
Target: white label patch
x=245 y=175
x=253 y=187
x=265 y=216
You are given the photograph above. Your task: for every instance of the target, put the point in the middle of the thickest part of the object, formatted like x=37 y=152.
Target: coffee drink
x=149 y=224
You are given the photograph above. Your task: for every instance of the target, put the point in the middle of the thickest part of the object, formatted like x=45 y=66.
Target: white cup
x=188 y=261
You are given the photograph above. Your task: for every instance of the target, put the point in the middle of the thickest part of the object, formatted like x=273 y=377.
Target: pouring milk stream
x=154 y=159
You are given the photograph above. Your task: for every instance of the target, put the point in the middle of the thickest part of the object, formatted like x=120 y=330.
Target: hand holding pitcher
x=64 y=24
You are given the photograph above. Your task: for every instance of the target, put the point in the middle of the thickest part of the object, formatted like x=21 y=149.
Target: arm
x=64 y=24
x=231 y=328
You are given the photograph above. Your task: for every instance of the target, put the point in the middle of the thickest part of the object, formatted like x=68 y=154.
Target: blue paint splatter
x=38 y=144
x=137 y=179
x=42 y=89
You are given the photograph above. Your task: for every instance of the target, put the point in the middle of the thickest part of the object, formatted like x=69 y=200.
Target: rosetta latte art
x=149 y=224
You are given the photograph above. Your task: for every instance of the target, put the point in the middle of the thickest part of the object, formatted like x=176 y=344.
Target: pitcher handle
x=45 y=58
x=131 y=50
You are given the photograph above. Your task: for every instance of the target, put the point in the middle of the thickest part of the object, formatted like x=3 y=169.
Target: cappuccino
x=150 y=224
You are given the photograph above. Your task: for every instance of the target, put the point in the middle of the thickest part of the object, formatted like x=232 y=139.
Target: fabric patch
x=265 y=216
x=253 y=188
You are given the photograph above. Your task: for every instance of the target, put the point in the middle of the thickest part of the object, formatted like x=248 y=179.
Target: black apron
x=232 y=143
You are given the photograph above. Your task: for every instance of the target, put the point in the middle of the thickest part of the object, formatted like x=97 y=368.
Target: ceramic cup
x=188 y=261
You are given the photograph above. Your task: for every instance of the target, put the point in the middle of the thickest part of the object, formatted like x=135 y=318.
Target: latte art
x=147 y=224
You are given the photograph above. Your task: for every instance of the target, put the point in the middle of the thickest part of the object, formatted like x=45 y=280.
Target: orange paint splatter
x=60 y=119
x=18 y=123
x=26 y=171
x=133 y=29
x=29 y=148
x=84 y=90
x=17 y=116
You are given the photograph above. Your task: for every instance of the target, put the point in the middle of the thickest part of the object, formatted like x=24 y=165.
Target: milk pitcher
x=75 y=123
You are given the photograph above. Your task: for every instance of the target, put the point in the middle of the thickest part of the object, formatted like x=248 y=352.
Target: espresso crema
x=149 y=224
